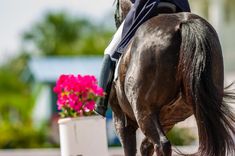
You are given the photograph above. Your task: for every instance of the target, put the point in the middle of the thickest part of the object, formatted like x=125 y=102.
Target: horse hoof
x=164 y=149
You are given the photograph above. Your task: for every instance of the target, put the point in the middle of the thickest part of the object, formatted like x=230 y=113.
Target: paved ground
x=56 y=152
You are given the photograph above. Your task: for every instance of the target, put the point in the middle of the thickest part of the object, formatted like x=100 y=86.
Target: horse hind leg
x=146 y=148
x=126 y=131
x=165 y=146
x=150 y=126
x=125 y=127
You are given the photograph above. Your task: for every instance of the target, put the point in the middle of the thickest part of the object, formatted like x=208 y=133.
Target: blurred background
x=39 y=40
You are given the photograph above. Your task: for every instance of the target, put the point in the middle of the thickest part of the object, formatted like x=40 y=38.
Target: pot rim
x=69 y=119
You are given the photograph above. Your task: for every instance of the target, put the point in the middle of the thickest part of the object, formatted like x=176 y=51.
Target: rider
x=141 y=11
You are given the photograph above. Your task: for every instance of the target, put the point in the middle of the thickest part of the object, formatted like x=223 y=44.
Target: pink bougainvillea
x=77 y=95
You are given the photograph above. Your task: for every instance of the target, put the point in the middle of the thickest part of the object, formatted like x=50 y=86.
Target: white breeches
x=115 y=41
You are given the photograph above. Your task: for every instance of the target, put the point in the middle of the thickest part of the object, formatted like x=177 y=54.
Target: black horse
x=172 y=68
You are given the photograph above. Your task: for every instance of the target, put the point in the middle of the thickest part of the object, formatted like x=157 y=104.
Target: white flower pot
x=83 y=136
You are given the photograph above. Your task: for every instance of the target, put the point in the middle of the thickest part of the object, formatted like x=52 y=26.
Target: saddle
x=166 y=7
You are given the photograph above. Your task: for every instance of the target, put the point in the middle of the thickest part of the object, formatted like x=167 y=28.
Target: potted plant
x=82 y=133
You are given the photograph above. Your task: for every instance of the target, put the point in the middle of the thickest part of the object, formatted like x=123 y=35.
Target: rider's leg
x=107 y=72
x=105 y=81
x=110 y=58
x=112 y=54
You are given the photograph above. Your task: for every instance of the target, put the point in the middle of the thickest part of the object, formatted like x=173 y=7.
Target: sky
x=18 y=15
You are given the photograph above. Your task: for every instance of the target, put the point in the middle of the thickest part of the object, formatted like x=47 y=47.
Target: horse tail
x=198 y=74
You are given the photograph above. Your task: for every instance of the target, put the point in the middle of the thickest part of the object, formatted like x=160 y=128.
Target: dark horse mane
x=172 y=69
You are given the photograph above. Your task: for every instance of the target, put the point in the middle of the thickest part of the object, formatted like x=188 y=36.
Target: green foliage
x=15 y=107
x=10 y=82
x=15 y=110
x=14 y=93
x=180 y=136
x=63 y=34
x=22 y=136
x=16 y=65
x=15 y=122
x=94 y=43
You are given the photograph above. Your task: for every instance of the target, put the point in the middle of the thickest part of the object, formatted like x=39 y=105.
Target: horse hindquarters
x=148 y=87
x=201 y=72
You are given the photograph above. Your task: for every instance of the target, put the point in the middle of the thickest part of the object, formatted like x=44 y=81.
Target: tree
x=63 y=34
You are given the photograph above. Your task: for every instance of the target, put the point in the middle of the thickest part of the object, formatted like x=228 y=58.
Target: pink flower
x=89 y=106
x=59 y=84
x=98 y=91
x=62 y=100
x=77 y=94
x=77 y=107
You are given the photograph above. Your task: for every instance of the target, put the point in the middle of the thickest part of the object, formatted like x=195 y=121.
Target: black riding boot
x=105 y=82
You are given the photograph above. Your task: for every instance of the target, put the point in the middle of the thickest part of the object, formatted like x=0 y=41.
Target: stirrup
x=101 y=110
